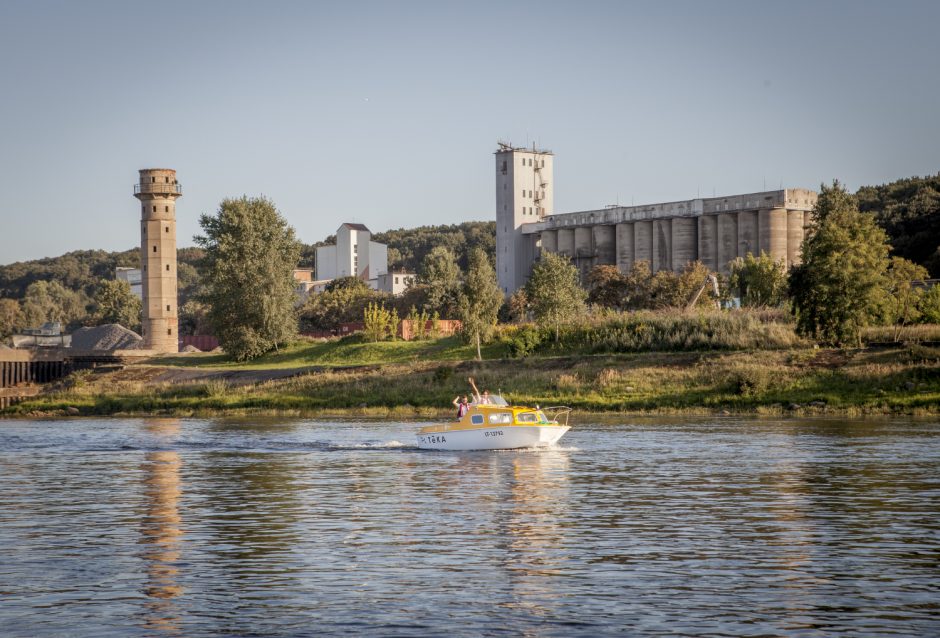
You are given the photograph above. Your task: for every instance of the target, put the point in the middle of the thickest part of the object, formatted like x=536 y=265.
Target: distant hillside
x=909 y=211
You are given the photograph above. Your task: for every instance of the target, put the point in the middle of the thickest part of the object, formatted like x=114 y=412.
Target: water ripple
x=147 y=527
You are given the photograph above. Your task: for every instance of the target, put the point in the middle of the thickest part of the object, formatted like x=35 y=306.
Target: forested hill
x=909 y=211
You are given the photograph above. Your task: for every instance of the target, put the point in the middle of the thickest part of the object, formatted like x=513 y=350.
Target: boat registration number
x=493 y=433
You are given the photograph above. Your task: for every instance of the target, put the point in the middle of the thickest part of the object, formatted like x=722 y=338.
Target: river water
x=188 y=527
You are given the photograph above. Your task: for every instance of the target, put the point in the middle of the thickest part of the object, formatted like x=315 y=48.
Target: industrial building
x=669 y=235
x=355 y=254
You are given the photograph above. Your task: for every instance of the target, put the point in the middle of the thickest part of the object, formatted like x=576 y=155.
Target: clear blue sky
x=387 y=113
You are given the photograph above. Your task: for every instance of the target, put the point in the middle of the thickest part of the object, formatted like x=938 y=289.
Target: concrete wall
x=684 y=242
x=550 y=241
x=794 y=237
x=584 y=250
x=727 y=240
x=747 y=233
x=643 y=242
x=708 y=241
x=605 y=244
x=625 y=241
x=566 y=241
x=662 y=244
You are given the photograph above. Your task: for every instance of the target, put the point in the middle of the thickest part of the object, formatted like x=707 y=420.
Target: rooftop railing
x=158 y=187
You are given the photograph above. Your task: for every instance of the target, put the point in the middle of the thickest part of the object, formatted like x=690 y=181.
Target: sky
x=387 y=113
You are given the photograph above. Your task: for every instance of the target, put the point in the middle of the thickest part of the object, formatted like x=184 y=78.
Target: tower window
x=167 y=229
x=153 y=179
x=145 y=267
x=166 y=179
x=168 y=308
x=154 y=249
x=154 y=209
x=169 y=331
x=166 y=209
x=523 y=192
x=168 y=267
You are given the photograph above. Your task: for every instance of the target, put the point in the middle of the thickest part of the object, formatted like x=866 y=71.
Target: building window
x=396 y=280
x=167 y=229
x=154 y=209
x=166 y=209
x=356 y=248
x=153 y=180
x=145 y=267
x=168 y=308
x=154 y=249
x=168 y=267
x=169 y=331
x=166 y=179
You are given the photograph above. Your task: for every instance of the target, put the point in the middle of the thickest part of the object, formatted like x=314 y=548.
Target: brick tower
x=157 y=192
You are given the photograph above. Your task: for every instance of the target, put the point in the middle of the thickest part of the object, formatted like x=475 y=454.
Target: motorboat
x=496 y=425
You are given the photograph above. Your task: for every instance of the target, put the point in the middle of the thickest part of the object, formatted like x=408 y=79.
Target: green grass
x=351 y=351
x=889 y=381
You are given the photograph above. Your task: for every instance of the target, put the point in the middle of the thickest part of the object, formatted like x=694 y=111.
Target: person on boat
x=479 y=399
x=462 y=405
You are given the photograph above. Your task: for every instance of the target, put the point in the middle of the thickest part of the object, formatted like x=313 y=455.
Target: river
x=652 y=526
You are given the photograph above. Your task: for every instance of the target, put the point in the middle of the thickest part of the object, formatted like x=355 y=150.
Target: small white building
x=132 y=277
x=395 y=282
x=355 y=254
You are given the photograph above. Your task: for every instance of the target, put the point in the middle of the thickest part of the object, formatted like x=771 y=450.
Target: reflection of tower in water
x=160 y=528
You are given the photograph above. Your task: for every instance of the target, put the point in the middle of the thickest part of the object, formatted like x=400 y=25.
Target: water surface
x=187 y=527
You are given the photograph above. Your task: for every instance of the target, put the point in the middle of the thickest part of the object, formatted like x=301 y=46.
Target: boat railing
x=556 y=412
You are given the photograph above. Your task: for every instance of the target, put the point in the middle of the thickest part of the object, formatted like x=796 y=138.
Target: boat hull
x=509 y=437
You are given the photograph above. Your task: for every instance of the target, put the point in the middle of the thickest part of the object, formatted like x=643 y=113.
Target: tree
x=376 y=320
x=759 y=281
x=607 y=287
x=343 y=301
x=249 y=288
x=115 y=303
x=441 y=277
x=51 y=301
x=902 y=296
x=930 y=305
x=836 y=289
x=555 y=296
x=479 y=300
x=11 y=317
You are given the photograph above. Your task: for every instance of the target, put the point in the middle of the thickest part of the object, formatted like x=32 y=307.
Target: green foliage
x=640 y=289
x=836 y=289
x=902 y=298
x=759 y=281
x=419 y=323
x=930 y=305
x=51 y=301
x=554 y=294
x=479 y=300
x=11 y=317
x=909 y=211
x=115 y=303
x=250 y=254
x=607 y=287
x=440 y=276
x=194 y=318
x=654 y=331
x=343 y=301
x=380 y=323
x=408 y=248
x=522 y=341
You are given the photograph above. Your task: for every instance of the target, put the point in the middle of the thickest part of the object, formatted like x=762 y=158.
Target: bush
x=523 y=341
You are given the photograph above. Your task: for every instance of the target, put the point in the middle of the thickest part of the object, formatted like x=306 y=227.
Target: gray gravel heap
x=111 y=336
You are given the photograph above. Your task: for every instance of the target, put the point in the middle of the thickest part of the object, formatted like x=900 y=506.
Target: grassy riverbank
x=800 y=380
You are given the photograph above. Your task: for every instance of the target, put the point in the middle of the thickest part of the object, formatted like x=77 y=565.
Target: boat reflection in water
x=161 y=532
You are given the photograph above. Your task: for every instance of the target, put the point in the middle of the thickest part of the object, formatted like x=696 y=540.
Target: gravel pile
x=190 y=348
x=110 y=336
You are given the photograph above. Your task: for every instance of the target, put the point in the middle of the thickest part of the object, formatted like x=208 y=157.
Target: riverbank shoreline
x=799 y=382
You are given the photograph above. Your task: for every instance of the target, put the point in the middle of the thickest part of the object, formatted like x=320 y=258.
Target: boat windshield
x=494 y=399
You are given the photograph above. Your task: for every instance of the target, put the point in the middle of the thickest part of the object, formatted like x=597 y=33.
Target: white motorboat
x=497 y=426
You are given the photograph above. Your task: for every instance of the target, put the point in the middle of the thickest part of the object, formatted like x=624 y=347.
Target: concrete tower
x=524 y=194
x=157 y=192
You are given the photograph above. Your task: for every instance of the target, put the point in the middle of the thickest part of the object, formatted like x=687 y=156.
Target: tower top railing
x=158 y=187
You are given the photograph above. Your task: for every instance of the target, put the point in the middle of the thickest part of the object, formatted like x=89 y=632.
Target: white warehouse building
x=356 y=255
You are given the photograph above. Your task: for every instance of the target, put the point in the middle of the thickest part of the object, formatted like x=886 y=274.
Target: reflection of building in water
x=161 y=528
x=537 y=509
